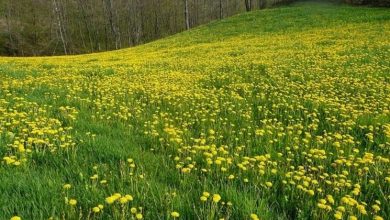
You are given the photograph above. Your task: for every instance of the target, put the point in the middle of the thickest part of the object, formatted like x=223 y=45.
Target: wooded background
x=54 y=27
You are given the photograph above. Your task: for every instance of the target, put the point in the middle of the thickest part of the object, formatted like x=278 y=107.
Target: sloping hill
x=281 y=113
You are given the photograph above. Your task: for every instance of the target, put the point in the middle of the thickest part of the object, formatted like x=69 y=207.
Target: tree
x=262 y=4
x=10 y=46
x=60 y=22
x=82 y=6
x=220 y=9
x=111 y=17
x=248 y=5
x=186 y=15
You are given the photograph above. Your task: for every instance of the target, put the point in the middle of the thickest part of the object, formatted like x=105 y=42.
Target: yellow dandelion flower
x=123 y=200
x=376 y=208
x=175 y=214
x=206 y=194
x=203 y=198
x=129 y=197
x=139 y=216
x=254 y=217
x=72 y=202
x=330 y=199
x=338 y=215
x=216 y=198
x=110 y=200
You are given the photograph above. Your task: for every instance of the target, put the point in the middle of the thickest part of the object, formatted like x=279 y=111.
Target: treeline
x=52 y=27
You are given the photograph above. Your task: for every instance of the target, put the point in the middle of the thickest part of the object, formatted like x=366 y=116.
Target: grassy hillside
x=275 y=114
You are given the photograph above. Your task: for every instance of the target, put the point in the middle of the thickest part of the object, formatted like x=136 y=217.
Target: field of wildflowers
x=274 y=114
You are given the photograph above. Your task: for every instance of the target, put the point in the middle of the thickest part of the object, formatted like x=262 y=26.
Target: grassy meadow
x=276 y=114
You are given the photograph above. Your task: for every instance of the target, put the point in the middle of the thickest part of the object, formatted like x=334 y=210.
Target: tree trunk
x=87 y=25
x=262 y=4
x=12 y=46
x=220 y=9
x=60 y=24
x=139 y=22
x=129 y=23
x=113 y=27
x=248 y=5
x=186 y=14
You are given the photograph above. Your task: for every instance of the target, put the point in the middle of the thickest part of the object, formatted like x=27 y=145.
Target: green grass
x=267 y=69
